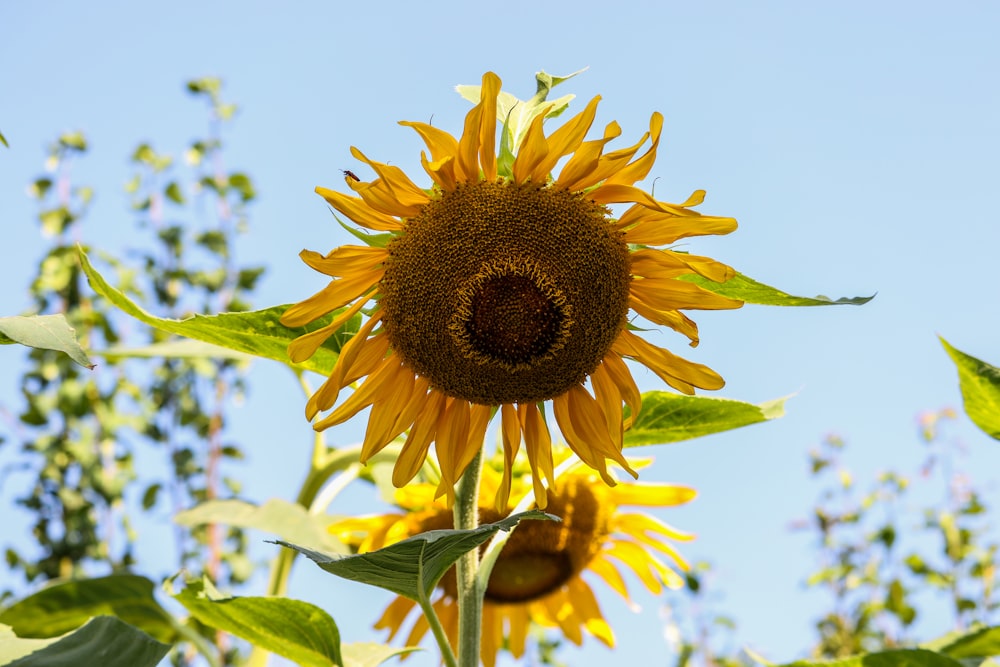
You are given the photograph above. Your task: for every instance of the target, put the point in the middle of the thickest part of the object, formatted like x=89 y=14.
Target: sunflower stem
x=470 y=592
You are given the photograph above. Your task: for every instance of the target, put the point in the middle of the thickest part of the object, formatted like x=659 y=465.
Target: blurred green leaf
x=413 y=567
x=174 y=193
x=3 y=140
x=899 y=658
x=65 y=606
x=750 y=291
x=667 y=417
x=368 y=654
x=980 y=643
x=289 y=521
x=980 y=384
x=104 y=641
x=293 y=629
x=257 y=332
x=47 y=332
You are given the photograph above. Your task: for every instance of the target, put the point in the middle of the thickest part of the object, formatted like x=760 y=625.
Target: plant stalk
x=470 y=592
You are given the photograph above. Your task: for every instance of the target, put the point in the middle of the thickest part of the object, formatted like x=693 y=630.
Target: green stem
x=470 y=593
x=447 y=656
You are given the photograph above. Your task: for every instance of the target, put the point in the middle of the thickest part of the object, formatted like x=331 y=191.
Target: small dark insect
x=350 y=174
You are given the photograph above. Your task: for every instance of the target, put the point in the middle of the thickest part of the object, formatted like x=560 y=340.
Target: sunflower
x=537 y=578
x=504 y=288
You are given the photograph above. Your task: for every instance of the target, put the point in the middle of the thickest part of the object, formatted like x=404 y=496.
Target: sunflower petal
x=358 y=210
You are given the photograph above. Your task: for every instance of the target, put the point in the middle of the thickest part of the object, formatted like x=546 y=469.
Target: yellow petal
x=651 y=494
x=488 y=126
x=467 y=163
x=375 y=385
x=652 y=263
x=395 y=181
x=538 y=444
x=588 y=612
x=452 y=437
x=638 y=170
x=418 y=441
x=623 y=379
x=440 y=143
x=345 y=260
x=384 y=414
x=333 y=296
x=510 y=431
x=306 y=345
x=359 y=211
x=609 y=400
x=679 y=373
x=672 y=294
x=585 y=160
x=532 y=151
x=394 y=615
x=610 y=574
x=565 y=140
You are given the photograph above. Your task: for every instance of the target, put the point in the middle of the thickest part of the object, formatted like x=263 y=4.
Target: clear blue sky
x=855 y=142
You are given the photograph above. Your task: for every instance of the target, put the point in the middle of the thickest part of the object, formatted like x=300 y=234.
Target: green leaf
x=65 y=606
x=257 y=332
x=183 y=348
x=3 y=140
x=293 y=629
x=48 y=332
x=289 y=521
x=980 y=384
x=750 y=291
x=898 y=658
x=667 y=417
x=104 y=641
x=413 y=567
x=980 y=643
x=369 y=654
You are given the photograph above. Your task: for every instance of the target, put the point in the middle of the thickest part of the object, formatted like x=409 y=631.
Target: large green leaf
x=980 y=643
x=666 y=417
x=48 y=332
x=899 y=658
x=257 y=332
x=369 y=654
x=749 y=290
x=289 y=521
x=413 y=567
x=67 y=605
x=293 y=629
x=105 y=641
x=980 y=384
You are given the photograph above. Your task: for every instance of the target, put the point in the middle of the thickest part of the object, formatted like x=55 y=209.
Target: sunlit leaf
x=667 y=417
x=293 y=629
x=980 y=384
x=48 y=332
x=104 y=641
x=369 y=654
x=3 y=140
x=183 y=348
x=750 y=291
x=289 y=521
x=257 y=332
x=412 y=568
x=65 y=606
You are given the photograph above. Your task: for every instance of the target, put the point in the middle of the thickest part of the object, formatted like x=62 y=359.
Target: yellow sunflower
x=538 y=575
x=505 y=287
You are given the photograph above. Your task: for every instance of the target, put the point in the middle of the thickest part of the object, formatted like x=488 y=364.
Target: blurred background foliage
x=79 y=431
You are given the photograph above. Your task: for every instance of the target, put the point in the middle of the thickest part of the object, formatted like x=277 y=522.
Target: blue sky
x=855 y=142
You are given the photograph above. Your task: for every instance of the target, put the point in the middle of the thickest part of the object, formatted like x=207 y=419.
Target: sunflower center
x=542 y=556
x=504 y=293
x=509 y=313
